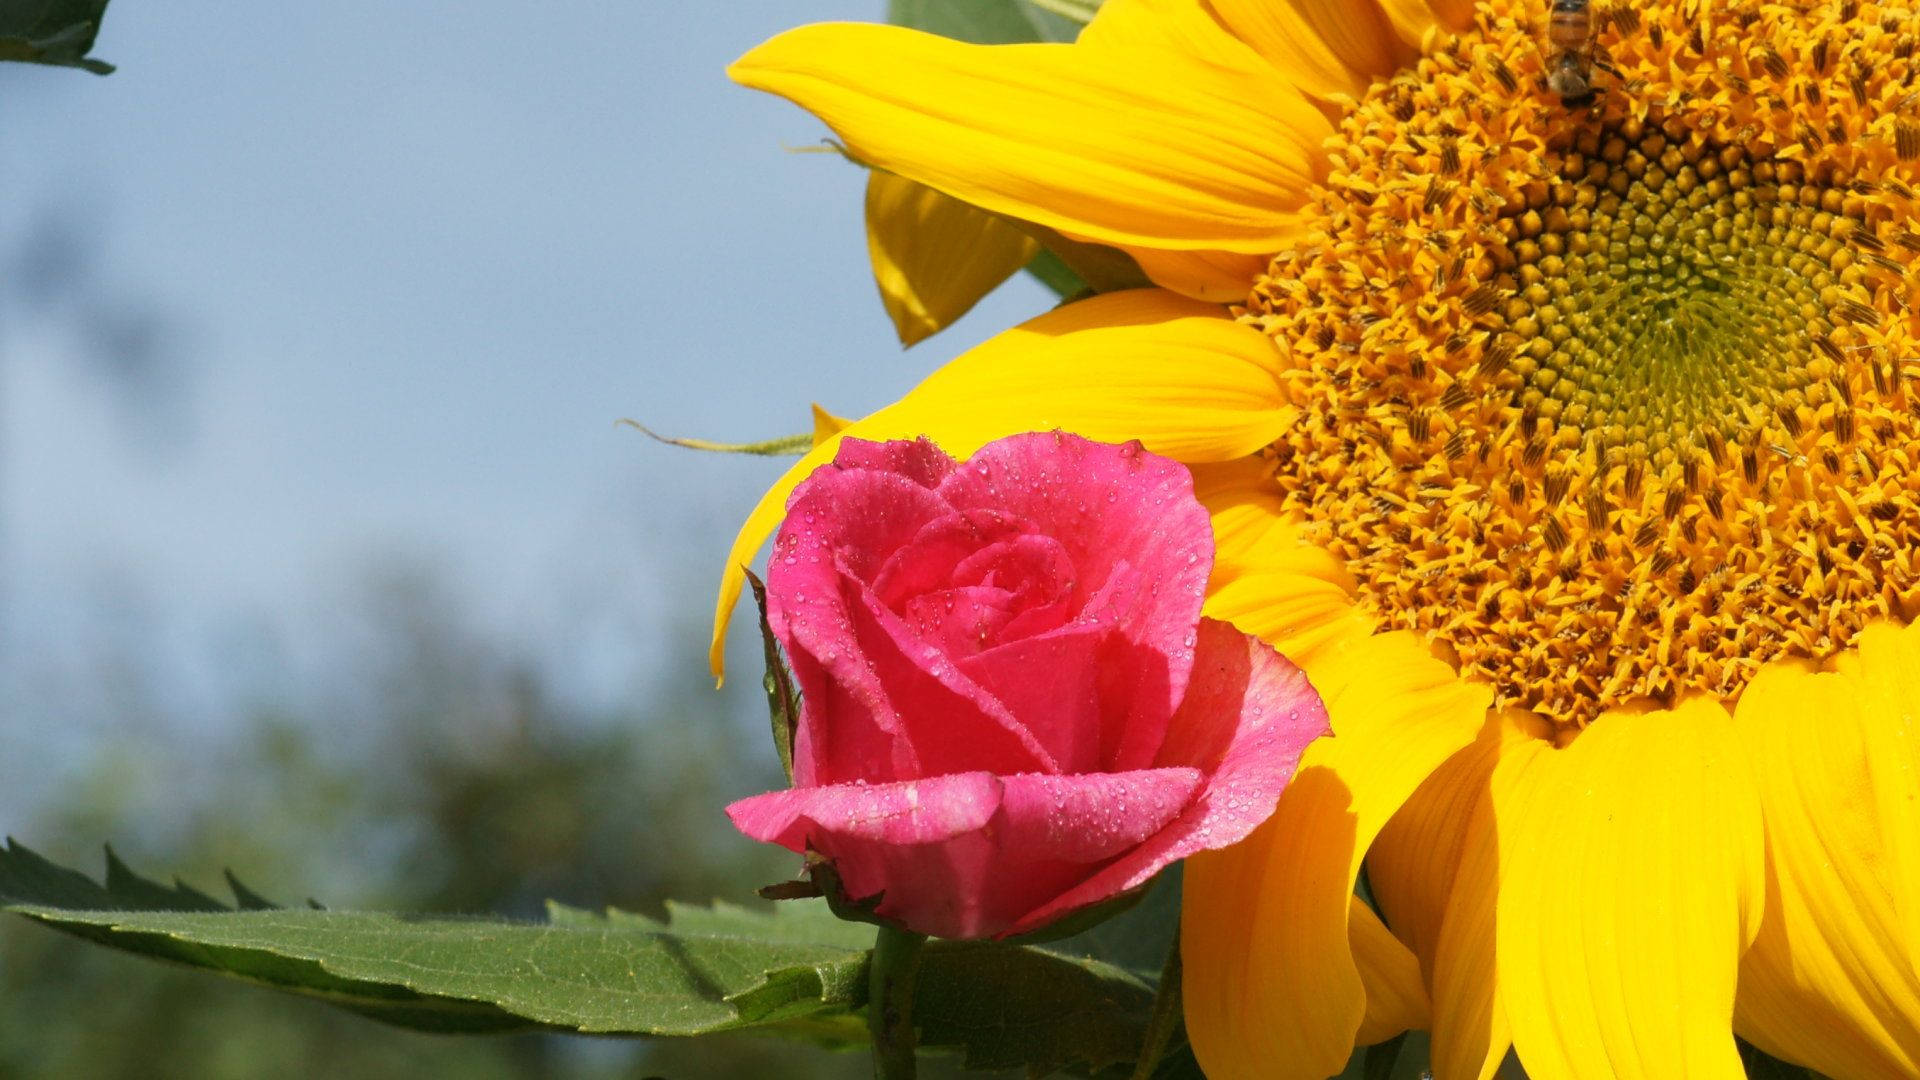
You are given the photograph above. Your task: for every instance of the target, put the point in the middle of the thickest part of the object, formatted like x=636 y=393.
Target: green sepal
x=783 y=700
x=826 y=879
x=784 y=446
x=1048 y=270
x=1098 y=267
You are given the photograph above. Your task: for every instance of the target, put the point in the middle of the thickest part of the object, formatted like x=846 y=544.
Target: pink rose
x=1011 y=707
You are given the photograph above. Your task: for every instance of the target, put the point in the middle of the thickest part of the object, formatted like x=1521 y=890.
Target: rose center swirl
x=1613 y=401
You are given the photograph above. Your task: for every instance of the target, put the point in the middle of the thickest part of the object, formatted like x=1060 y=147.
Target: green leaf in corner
x=57 y=32
x=794 y=971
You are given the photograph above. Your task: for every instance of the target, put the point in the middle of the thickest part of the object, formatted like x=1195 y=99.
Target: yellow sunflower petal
x=934 y=256
x=1412 y=20
x=1413 y=861
x=1181 y=25
x=1436 y=871
x=1296 y=609
x=1146 y=364
x=1218 y=276
x=1052 y=133
x=1328 y=47
x=1272 y=988
x=1396 y=998
x=1632 y=879
x=1250 y=523
x=1889 y=669
x=1828 y=982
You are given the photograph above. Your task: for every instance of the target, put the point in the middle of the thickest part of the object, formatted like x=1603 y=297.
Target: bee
x=1570 y=51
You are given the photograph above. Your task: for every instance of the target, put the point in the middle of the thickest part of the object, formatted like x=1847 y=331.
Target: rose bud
x=1011 y=708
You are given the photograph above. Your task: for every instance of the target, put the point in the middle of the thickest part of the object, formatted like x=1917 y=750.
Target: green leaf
x=1006 y=1006
x=628 y=974
x=1135 y=940
x=992 y=22
x=1179 y=1064
x=57 y=32
x=795 y=971
x=1381 y=1057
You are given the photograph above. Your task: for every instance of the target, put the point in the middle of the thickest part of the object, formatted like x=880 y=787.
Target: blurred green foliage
x=460 y=783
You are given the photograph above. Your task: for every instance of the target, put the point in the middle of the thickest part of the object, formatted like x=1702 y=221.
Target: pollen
x=1618 y=399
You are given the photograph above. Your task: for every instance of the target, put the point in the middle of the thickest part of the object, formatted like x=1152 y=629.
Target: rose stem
x=1166 y=1015
x=890 y=979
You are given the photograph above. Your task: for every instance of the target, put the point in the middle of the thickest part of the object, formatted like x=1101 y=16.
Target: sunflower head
x=1614 y=399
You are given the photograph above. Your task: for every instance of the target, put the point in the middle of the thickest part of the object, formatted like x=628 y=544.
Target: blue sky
x=416 y=260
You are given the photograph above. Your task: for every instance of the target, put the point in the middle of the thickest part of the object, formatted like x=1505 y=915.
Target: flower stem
x=890 y=979
x=1166 y=1015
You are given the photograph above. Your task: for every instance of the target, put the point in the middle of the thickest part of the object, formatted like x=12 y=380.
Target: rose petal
x=1055 y=832
x=909 y=812
x=959 y=620
x=1052 y=682
x=1092 y=816
x=807 y=611
x=1245 y=700
x=921 y=843
x=885 y=694
x=1035 y=570
x=918 y=460
x=1248 y=717
x=941 y=720
x=1074 y=687
x=968 y=580
x=862 y=514
x=1107 y=506
x=927 y=560
x=964 y=856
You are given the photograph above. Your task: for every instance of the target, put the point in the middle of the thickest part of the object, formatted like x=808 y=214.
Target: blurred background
x=321 y=554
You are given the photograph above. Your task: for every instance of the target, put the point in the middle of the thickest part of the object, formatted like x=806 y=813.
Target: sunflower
x=1567 y=441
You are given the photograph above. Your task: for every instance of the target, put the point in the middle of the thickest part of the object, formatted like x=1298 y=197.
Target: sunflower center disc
x=1617 y=401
